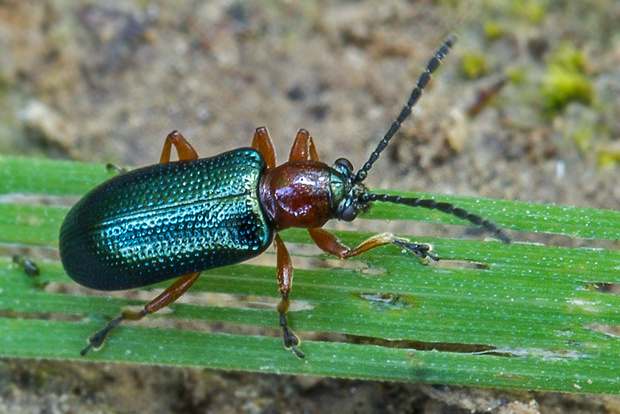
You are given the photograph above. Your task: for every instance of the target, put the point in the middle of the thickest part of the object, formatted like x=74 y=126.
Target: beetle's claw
x=298 y=352
x=290 y=339
x=422 y=250
x=96 y=340
x=86 y=349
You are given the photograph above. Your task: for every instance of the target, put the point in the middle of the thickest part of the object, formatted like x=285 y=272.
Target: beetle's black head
x=350 y=200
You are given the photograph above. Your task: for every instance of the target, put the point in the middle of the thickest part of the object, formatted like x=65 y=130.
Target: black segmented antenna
x=432 y=66
x=367 y=197
x=440 y=206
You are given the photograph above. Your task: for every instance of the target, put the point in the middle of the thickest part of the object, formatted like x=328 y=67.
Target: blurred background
x=526 y=107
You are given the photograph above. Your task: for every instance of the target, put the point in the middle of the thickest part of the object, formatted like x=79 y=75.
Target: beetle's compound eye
x=348 y=210
x=344 y=166
x=349 y=213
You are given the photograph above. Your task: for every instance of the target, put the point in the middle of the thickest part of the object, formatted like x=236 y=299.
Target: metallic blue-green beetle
x=176 y=219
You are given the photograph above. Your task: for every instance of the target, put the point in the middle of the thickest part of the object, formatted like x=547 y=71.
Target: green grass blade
x=524 y=316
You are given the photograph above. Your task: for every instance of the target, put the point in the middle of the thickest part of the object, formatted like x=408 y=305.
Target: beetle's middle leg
x=330 y=244
x=263 y=144
x=172 y=293
x=285 y=281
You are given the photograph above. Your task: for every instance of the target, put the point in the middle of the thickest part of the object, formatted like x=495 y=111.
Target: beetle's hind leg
x=183 y=147
x=172 y=293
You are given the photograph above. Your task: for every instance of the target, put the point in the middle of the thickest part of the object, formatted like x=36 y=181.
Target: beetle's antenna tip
x=423 y=80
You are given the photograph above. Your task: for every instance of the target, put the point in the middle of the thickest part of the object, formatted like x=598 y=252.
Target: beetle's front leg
x=285 y=281
x=330 y=244
x=303 y=148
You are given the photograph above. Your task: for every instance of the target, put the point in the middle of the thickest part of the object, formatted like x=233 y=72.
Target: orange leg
x=172 y=293
x=330 y=244
x=303 y=148
x=285 y=281
x=262 y=143
x=184 y=148
x=285 y=268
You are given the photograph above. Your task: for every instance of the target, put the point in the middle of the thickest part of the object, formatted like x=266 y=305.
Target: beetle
x=176 y=219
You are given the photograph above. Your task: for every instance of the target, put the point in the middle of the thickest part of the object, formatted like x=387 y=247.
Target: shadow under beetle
x=176 y=219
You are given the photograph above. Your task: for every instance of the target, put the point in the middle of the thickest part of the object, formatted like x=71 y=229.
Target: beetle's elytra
x=176 y=219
